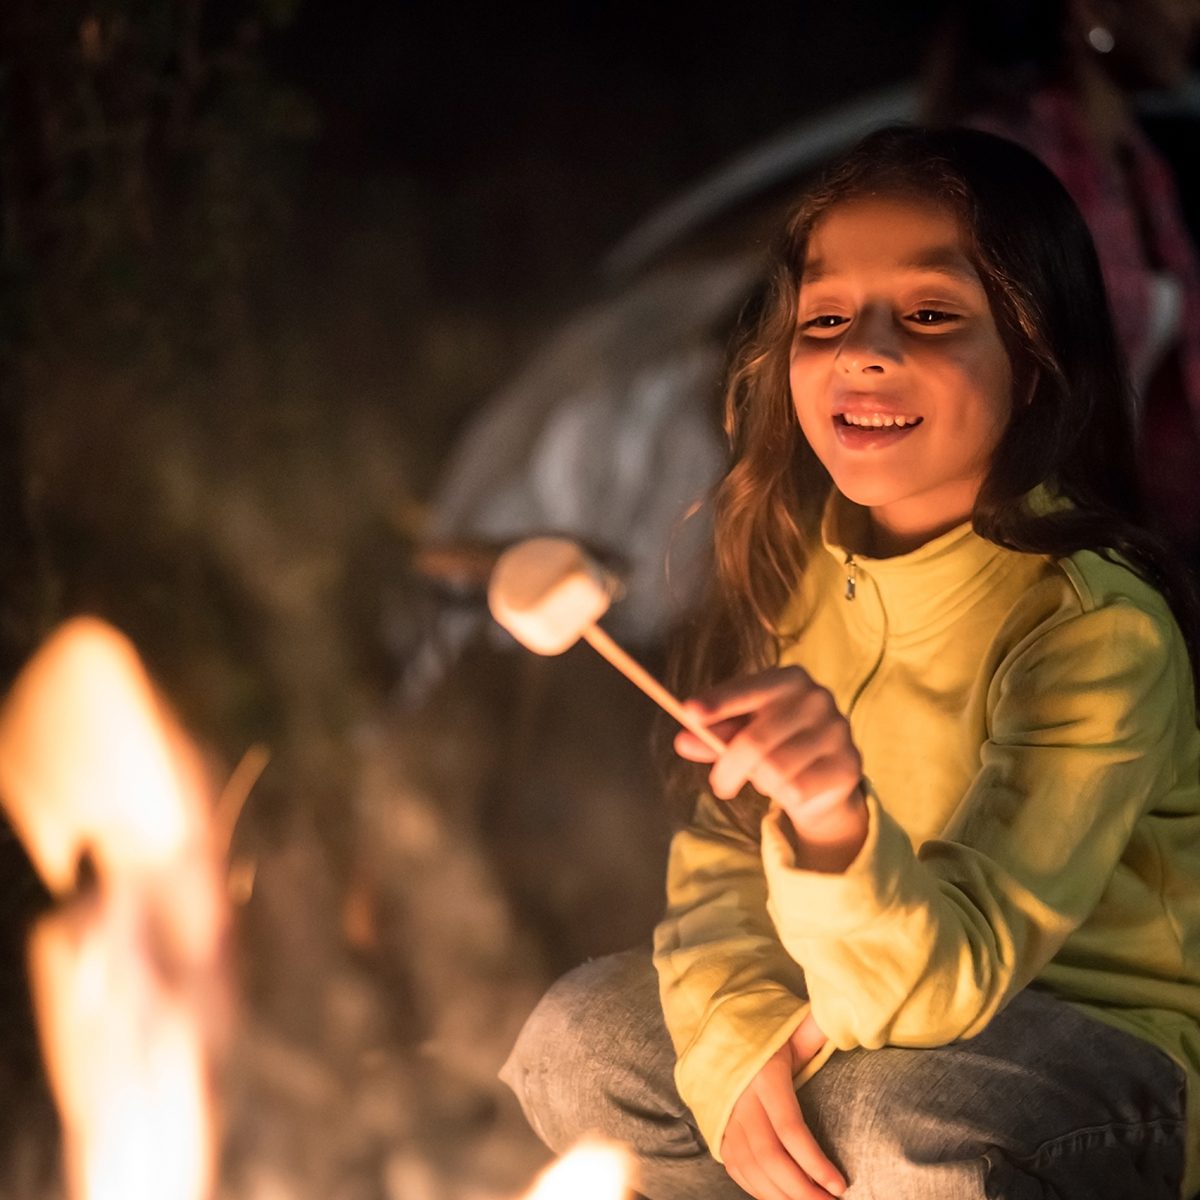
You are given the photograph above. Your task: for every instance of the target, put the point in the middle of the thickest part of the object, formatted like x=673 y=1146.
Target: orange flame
x=127 y=972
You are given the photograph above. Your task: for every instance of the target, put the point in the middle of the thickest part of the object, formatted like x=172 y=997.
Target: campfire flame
x=128 y=971
x=593 y=1170
x=126 y=1058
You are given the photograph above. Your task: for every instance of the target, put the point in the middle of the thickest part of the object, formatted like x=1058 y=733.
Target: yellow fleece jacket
x=1029 y=733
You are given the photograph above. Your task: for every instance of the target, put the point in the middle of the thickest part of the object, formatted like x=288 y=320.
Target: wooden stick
x=636 y=673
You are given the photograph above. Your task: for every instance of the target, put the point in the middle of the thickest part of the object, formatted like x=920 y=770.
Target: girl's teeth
x=879 y=420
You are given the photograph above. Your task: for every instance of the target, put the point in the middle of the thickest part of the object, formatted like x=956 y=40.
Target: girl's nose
x=869 y=345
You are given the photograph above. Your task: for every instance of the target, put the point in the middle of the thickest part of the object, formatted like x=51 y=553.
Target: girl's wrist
x=831 y=842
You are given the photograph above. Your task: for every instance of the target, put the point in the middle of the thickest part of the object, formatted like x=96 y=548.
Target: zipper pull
x=851 y=577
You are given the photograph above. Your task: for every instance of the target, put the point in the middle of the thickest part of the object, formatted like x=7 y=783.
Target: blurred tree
x=146 y=162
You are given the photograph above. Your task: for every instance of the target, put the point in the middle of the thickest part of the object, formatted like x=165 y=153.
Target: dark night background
x=497 y=152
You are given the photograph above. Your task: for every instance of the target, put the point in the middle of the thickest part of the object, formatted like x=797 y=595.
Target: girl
x=946 y=876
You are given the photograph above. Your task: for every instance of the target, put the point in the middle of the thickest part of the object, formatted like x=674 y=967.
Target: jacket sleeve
x=920 y=949
x=730 y=993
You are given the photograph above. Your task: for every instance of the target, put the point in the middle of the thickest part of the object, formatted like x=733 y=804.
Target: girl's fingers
x=689 y=746
x=773 y=1165
x=757 y=1158
x=800 y=1163
x=740 y=697
x=744 y=1170
x=768 y=751
x=787 y=1120
x=785 y=736
x=738 y=1160
x=738 y=1177
x=779 y=741
x=748 y=1169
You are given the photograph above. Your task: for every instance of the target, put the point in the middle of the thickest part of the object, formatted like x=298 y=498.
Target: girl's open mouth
x=871 y=431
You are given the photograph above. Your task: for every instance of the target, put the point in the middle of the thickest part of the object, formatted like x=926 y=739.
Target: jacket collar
x=925 y=587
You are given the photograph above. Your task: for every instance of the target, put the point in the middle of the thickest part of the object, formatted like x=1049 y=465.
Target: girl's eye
x=824 y=321
x=932 y=316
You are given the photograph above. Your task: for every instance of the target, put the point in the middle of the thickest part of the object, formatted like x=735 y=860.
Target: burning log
x=129 y=976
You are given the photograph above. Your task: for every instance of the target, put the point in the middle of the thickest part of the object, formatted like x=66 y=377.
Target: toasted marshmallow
x=546 y=591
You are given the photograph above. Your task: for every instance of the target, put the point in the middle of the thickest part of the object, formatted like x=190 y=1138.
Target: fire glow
x=128 y=970
x=594 y=1170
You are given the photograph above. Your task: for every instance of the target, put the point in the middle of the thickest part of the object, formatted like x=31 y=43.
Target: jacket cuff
x=807 y=904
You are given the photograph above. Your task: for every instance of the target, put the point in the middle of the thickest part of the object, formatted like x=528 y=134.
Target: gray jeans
x=1045 y=1103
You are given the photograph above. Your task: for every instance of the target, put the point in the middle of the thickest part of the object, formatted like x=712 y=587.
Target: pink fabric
x=1135 y=219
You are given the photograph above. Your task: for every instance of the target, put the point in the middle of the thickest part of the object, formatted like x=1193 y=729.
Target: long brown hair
x=1039 y=268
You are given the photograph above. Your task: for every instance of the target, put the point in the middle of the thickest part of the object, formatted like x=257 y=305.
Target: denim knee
x=544 y=1060
x=595 y=1056
x=1047 y=1101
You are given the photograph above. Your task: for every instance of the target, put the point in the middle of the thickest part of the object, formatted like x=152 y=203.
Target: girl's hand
x=768 y=1148
x=786 y=738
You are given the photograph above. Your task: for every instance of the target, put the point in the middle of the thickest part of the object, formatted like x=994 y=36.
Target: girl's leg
x=595 y=1056
x=1046 y=1103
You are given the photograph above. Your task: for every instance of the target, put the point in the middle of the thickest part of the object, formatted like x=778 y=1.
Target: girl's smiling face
x=899 y=376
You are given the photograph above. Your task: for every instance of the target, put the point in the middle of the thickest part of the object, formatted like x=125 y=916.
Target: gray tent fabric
x=611 y=435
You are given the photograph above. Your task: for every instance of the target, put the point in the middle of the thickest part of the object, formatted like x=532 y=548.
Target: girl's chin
x=869 y=493
x=923 y=512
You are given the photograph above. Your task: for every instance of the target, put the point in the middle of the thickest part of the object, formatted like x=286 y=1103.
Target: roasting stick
x=636 y=673
x=548 y=593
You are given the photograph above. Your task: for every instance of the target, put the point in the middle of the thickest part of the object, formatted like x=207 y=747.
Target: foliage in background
x=147 y=161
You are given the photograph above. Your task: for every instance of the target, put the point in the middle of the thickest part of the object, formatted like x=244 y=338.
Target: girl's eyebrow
x=944 y=260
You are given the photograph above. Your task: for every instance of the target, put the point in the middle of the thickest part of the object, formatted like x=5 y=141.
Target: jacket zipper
x=850 y=593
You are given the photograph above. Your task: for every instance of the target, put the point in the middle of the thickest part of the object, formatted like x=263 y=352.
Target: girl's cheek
x=803 y=379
